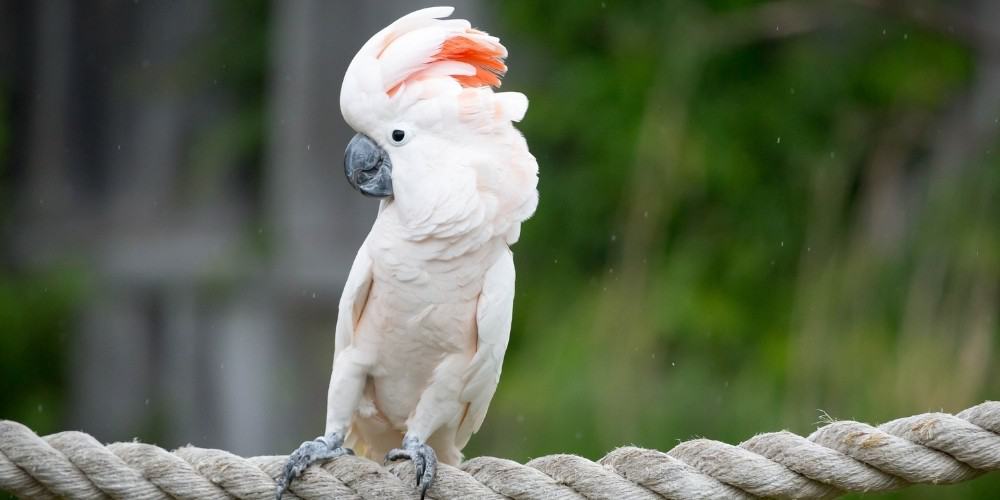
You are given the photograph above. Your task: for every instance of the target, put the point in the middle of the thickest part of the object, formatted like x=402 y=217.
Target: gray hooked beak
x=368 y=167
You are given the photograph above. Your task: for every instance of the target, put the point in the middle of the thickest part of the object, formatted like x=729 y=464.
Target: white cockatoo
x=425 y=314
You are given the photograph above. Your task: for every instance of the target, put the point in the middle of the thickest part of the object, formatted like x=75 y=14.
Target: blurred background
x=750 y=212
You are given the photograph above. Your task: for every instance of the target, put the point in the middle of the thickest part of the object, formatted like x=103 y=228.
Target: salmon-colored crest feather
x=486 y=57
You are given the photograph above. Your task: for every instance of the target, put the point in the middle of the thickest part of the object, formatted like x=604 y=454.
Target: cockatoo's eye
x=398 y=137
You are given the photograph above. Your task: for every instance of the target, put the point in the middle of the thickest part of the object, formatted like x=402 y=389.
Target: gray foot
x=310 y=452
x=424 y=461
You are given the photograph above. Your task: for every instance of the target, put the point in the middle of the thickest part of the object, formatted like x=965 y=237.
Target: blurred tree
x=745 y=216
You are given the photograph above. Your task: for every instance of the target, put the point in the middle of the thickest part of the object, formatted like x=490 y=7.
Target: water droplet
x=779 y=140
x=40 y=408
x=308 y=147
x=673 y=363
x=906 y=36
x=314 y=295
x=147 y=401
x=614 y=237
x=782 y=243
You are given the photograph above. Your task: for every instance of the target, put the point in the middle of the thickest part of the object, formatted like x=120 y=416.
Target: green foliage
x=36 y=313
x=705 y=260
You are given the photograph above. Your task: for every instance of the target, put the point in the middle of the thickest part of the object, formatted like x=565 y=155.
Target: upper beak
x=368 y=167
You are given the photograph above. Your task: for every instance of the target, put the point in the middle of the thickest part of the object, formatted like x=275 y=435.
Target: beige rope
x=840 y=457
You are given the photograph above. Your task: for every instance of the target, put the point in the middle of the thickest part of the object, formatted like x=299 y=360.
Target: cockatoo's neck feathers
x=423 y=46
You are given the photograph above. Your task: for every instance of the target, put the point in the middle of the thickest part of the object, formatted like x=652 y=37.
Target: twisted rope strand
x=840 y=457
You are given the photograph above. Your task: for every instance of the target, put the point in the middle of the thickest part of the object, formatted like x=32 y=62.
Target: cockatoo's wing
x=493 y=315
x=353 y=299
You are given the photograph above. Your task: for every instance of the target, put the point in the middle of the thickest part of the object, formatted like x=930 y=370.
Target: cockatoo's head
x=420 y=95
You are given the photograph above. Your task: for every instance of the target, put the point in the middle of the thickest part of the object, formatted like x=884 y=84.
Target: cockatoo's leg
x=347 y=382
x=321 y=448
x=438 y=405
x=424 y=461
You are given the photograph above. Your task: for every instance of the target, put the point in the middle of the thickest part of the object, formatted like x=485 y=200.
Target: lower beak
x=368 y=167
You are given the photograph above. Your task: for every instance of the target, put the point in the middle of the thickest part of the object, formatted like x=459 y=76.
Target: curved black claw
x=310 y=452
x=424 y=461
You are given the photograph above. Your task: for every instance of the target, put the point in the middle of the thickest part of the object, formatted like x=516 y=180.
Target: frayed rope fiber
x=840 y=457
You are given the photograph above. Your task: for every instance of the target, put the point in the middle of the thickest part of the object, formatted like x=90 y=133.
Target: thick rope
x=840 y=457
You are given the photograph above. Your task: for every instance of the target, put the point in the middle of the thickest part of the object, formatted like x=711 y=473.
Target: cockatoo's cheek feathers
x=368 y=167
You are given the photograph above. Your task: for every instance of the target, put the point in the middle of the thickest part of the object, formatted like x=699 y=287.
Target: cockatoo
x=425 y=314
